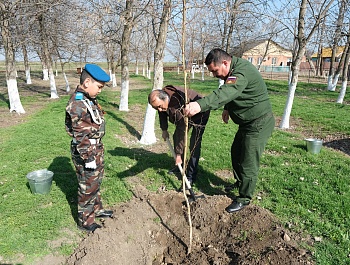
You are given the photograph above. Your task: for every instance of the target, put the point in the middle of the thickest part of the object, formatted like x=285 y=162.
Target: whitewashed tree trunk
x=345 y=70
x=114 y=80
x=143 y=71
x=203 y=73
x=29 y=80
x=110 y=74
x=125 y=47
x=342 y=91
x=46 y=74
x=124 y=96
x=290 y=77
x=289 y=104
x=148 y=135
x=298 y=54
x=148 y=72
x=332 y=82
x=7 y=41
x=336 y=39
x=192 y=74
x=178 y=70
x=15 y=101
x=53 y=89
x=66 y=81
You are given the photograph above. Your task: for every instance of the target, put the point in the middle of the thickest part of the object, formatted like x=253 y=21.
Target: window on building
x=274 y=61
x=260 y=60
x=250 y=59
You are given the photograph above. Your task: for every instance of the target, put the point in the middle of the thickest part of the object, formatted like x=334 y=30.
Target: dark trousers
x=246 y=150
x=89 y=182
x=195 y=150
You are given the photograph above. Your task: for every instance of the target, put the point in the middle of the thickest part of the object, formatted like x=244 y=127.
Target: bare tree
x=7 y=11
x=345 y=72
x=334 y=76
x=128 y=18
x=301 y=41
x=148 y=135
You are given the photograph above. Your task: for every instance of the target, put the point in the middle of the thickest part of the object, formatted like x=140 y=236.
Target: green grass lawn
x=308 y=193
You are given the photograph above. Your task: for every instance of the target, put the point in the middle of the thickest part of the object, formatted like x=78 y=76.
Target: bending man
x=170 y=102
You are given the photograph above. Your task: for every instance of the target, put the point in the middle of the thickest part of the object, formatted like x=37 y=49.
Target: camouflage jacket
x=84 y=122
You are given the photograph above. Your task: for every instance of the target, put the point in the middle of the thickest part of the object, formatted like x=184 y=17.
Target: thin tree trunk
x=26 y=64
x=12 y=88
x=345 y=71
x=128 y=25
x=47 y=57
x=332 y=80
x=298 y=53
x=148 y=135
x=189 y=250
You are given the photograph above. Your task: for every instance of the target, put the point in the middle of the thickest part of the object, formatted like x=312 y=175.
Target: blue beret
x=97 y=73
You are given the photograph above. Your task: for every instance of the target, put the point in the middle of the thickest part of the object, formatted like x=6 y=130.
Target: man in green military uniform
x=245 y=100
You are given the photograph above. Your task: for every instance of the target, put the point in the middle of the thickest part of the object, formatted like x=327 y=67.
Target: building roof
x=259 y=47
x=327 y=52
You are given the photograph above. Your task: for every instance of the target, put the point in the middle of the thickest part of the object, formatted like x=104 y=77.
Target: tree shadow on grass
x=342 y=145
x=207 y=182
x=65 y=178
x=130 y=128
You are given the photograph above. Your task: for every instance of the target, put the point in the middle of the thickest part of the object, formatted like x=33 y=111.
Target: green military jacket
x=244 y=93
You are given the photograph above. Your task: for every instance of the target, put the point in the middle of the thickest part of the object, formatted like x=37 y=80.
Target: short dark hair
x=216 y=56
x=84 y=74
x=161 y=94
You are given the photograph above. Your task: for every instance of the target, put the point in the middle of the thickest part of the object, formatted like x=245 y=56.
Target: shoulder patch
x=231 y=80
x=79 y=96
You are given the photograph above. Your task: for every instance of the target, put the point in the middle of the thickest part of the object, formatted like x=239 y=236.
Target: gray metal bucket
x=40 y=181
x=313 y=145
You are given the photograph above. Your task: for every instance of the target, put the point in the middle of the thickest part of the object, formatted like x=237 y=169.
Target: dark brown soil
x=154 y=229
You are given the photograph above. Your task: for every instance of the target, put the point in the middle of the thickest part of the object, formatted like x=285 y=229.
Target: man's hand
x=91 y=165
x=178 y=160
x=225 y=116
x=192 y=109
x=165 y=135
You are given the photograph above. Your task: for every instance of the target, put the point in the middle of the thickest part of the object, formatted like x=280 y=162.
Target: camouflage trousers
x=89 y=182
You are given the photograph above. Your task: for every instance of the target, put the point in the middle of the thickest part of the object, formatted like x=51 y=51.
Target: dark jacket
x=175 y=114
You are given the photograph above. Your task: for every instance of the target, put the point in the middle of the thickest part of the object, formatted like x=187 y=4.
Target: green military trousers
x=246 y=150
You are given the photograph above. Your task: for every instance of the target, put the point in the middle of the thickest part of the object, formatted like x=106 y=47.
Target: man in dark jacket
x=170 y=102
x=245 y=99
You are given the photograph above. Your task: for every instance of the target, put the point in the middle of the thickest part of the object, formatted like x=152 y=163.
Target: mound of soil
x=153 y=228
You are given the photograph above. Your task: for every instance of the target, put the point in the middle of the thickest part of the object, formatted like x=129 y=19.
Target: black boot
x=104 y=213
x=89 y=228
